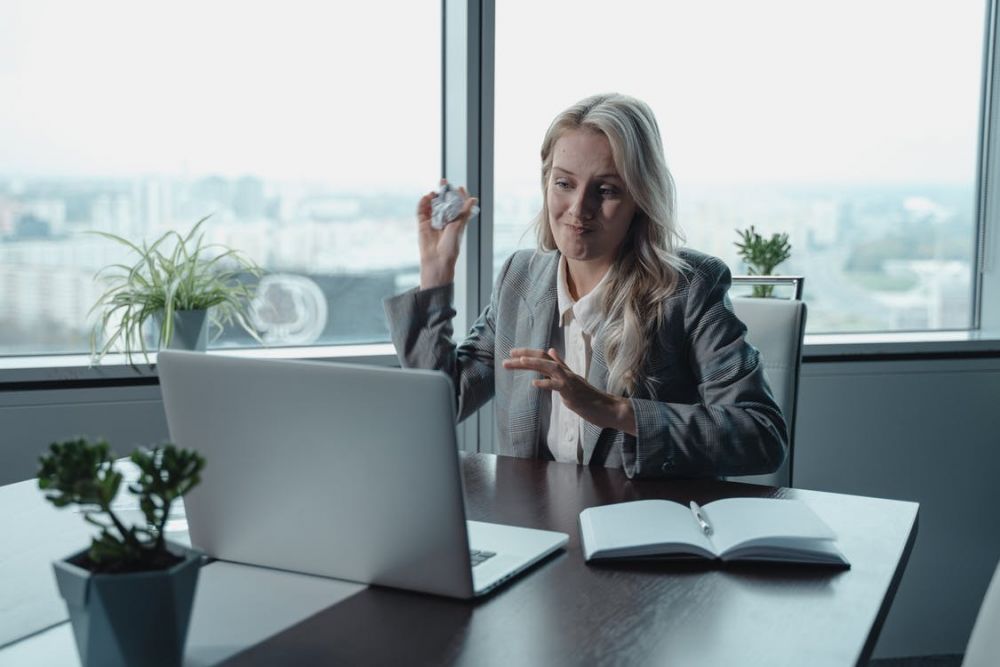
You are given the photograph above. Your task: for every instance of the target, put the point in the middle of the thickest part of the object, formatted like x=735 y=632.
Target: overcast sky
x=344 y=92
x=762 y=91
x=349 y=93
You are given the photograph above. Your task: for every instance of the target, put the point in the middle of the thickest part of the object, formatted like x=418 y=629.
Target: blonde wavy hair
x=648 y=265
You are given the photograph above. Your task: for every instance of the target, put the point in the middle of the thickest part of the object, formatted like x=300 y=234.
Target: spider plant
x=173 y=273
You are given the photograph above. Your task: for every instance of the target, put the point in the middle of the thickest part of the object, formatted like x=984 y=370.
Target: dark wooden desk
x=565 y=612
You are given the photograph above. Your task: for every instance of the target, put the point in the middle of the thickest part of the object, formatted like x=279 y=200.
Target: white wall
x=927 y=431
x=30 y=420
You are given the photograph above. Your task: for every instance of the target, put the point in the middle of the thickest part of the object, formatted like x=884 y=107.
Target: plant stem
x=160 y=541
x=127 y=536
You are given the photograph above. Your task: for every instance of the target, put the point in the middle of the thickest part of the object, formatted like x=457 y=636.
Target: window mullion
x=986 y=312
x=468 y=159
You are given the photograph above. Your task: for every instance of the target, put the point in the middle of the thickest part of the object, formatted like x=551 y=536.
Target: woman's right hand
x=439 y=248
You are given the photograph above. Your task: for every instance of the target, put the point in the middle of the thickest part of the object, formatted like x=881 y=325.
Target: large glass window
x=307 y=132
x=851 y=126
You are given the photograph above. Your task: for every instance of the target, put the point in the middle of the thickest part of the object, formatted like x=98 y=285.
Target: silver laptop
x=339 y=470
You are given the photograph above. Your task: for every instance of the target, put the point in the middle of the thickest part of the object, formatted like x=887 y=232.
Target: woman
x=606 y=346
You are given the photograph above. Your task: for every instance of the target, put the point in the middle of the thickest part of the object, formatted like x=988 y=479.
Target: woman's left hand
x=597 y=407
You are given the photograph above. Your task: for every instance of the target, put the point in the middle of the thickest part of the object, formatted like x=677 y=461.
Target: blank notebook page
x=743 y=521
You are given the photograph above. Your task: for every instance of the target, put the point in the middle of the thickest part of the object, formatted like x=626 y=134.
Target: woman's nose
x=583 y=206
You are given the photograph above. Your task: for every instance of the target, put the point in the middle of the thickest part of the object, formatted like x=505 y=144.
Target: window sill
x=819 y=348
x=67 y=371
x=74 y=370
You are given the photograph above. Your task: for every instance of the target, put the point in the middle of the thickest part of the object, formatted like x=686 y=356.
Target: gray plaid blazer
x=712 y=413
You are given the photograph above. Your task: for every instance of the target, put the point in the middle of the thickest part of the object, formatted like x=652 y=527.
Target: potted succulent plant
x=762 y=255
x=179 y=282
x=129 y=594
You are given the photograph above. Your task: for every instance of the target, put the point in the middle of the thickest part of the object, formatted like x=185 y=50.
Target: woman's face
x=589 y=208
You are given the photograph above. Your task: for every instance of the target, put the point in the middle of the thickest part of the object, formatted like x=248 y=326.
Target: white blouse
x=571 y=337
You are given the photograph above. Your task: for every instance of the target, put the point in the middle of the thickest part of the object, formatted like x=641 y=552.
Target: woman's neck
x=582 y=276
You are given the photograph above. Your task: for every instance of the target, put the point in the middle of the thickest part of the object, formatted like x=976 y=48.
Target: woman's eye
x=562 y=185
x=609 y=192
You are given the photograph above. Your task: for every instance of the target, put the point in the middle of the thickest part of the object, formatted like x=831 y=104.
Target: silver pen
x=706 y=527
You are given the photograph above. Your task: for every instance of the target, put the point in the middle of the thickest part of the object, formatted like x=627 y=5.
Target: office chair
x=775 y=327
x=983 y=649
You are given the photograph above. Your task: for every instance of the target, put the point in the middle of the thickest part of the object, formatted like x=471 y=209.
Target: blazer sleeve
x=420 y=325
x=736 y=428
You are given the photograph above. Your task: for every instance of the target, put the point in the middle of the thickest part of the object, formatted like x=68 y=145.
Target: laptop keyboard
x=479 y=556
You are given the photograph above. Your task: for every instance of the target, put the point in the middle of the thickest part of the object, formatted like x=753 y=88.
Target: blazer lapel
x=525 y=402
x=598 y=378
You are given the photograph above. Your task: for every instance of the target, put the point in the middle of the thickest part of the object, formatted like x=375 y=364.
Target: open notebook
x=764 y=529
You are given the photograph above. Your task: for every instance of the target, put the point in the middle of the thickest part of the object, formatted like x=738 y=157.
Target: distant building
x=329 y=209
x=249 y=202
x=30 y=226
x=51 y=211
x=113 y=213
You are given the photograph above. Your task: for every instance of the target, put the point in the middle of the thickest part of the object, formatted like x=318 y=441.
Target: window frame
x=468 y=51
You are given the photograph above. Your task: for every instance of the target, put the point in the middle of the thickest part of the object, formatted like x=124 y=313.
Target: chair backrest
x=984 y=642
x=776 y=327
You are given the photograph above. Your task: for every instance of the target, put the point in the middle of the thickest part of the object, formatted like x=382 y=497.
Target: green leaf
x=81 y=472
x=762 y=256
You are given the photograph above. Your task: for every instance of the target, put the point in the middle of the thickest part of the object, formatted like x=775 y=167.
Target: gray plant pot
x=190 y=330
x=139 y=618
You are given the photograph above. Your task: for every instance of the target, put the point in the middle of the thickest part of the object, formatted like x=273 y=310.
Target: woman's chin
x=575 y=247
x=574 y=252
x=578 y=252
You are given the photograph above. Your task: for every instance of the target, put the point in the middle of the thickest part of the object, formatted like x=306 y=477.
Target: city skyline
x=860 y=249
